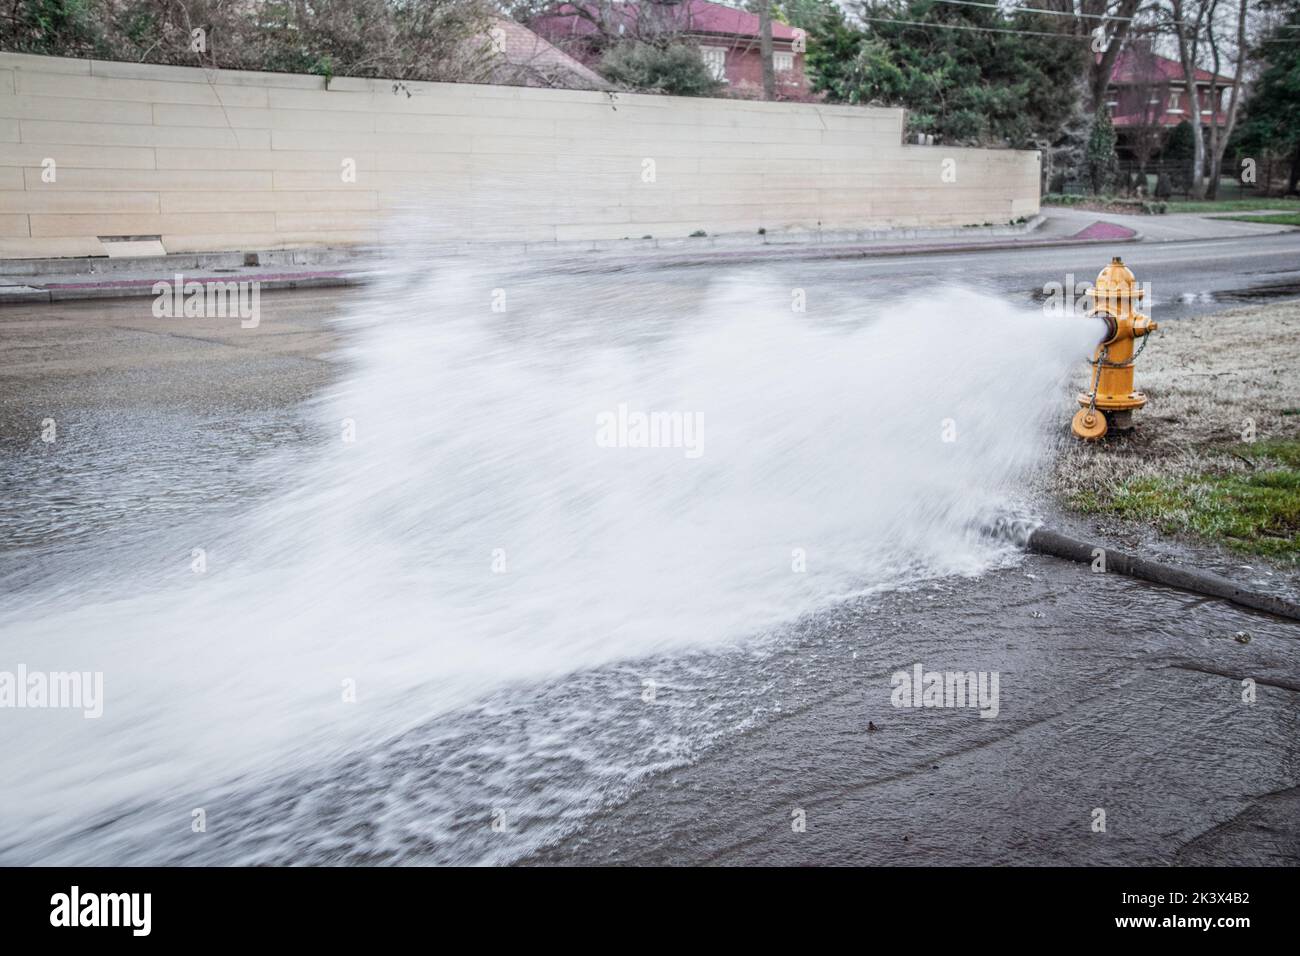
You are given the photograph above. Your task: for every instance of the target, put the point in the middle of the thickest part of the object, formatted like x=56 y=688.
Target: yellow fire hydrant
x=1112 y=399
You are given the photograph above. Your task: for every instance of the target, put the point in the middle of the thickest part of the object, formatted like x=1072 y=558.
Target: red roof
x=688 y=16
x=706 y=17
x=526 y=59
x=1134 y=68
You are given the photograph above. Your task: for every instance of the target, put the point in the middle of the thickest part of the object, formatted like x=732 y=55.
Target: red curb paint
x=1105 y=230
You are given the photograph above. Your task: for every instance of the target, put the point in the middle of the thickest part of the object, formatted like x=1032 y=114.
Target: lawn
x=1233 y=205
x=1216 y=452
x=1278 y=219
x=1257 y=512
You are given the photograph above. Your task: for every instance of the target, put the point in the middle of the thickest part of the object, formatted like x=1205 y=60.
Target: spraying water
x=522 y=475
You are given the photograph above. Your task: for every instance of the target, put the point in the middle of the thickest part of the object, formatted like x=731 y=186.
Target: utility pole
x=765 y=48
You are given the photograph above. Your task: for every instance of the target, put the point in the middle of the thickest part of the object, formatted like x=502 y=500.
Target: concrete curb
x=100 y=267
x=1046 y=541
x=854 y=252
x=23 y=294
x=137 y=288
x=744 y=242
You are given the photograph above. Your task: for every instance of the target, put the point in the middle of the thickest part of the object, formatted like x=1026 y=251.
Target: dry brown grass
x=1204 y=379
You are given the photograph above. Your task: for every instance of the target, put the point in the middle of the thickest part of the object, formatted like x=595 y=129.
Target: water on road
x=469 y=571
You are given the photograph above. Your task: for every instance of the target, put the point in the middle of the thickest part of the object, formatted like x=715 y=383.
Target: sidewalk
x=1173 y=227
x=54 y=280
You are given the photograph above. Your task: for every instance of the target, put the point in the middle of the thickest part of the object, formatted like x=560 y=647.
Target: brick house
x=1148 y=96
x=728 y=38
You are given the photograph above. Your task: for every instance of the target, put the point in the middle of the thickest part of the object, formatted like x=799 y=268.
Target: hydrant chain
x=1102 y=361
x=1092 y=404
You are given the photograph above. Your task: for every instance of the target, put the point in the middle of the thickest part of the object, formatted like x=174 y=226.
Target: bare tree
x=1123 y=14
x=432 y=40
x=1196 y=26
x=765 y=48
x=611 y=22
x=1219 y=141
x=1189 y=17
x=1084 y=18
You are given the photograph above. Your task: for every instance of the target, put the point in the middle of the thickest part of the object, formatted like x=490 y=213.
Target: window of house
x=715 y=58
x=783 y=62
x=1175 y=102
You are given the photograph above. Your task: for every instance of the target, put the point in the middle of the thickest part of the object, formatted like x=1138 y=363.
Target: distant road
x=1187 y=278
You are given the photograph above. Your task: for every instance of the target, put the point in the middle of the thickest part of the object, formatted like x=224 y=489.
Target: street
x=1115 y=695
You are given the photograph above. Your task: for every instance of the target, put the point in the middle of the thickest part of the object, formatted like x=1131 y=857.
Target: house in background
x=1148 y=97
x=728 y=38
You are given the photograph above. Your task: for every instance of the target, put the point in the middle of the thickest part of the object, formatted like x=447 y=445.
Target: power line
x=958 y=26
x=1052 y=13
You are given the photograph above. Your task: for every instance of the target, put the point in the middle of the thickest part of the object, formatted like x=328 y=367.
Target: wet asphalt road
x=1115 y=695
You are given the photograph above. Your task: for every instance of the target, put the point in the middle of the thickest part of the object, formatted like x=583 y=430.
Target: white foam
x=476 y=431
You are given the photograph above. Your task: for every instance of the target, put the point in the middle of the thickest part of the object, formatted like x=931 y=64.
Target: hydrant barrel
x=1115 y=297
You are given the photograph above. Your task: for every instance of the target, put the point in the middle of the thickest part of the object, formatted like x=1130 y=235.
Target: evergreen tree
x=1101 y=159
x=1177 y=156
x=1272 y=120
x=976 y=86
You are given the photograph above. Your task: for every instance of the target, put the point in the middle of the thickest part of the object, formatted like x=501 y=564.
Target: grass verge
x=1277 y=219
x=1216 y=453
x=1254 y=513
x=1233 y=205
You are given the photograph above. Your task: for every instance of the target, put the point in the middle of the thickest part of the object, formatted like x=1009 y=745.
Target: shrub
x=430 y=40
x=676 y=69
x=1178 y=152
x=1101 y=160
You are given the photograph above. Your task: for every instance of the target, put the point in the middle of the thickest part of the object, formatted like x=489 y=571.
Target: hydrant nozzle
x=1112 y=399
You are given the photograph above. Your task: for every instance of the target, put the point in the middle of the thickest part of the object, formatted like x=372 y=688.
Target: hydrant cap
x=1115 y=282
x=1115 y=277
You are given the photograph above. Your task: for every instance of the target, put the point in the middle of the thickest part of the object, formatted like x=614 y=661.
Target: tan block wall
x=222 y=160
